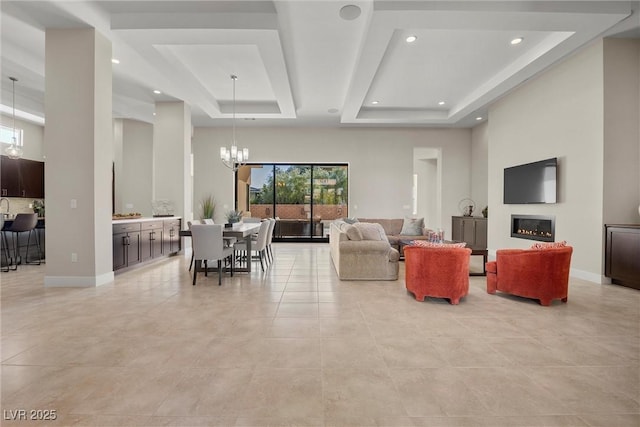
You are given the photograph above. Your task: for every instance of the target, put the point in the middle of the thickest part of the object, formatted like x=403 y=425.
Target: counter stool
x=23 y=223
x=4 y=247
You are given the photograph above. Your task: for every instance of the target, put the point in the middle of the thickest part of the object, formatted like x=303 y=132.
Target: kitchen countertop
x=144 y=219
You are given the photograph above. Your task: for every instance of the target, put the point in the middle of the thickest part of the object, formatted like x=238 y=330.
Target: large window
x=6 y=135
x=304 y=198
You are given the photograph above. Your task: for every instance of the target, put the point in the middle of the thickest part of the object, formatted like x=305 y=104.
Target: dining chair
x=272 y=226
x=208 y=245
x=259 y=245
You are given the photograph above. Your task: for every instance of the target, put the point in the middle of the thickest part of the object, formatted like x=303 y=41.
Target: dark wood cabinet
x=470 y=229
x=10 y=177
x=622 y=255
x=126 y=245
x=172 y=235
x=137 y=242
x=151 y=240
x=32 y=175
x=22 y=178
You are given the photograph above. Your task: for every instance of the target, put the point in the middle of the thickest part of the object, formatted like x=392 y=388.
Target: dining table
x=241 y=231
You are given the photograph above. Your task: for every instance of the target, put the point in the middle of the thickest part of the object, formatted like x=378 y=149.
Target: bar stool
x=4 y=246
x=23 y=223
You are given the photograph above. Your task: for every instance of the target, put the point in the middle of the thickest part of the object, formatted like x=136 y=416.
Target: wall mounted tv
x=531 y=183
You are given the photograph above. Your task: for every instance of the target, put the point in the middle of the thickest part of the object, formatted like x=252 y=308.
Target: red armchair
x=541 y=274
x=437 y=272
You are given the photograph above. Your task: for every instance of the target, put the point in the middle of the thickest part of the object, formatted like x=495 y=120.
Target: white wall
x=32 y=137
x=380 y=163
x=621 y=131
x=136 y=186
x=559 y=114
x=479 y=164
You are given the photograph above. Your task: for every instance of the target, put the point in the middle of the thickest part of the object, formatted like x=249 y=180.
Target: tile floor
x=295 y=346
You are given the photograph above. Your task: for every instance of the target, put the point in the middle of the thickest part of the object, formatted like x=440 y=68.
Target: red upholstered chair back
x=533 y=273
x=437 y=272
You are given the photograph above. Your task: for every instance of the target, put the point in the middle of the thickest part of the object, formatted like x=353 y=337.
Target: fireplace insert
x=533 y=227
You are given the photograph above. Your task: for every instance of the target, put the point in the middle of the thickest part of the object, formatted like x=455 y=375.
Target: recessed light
x=157 y=92
x=441 y=103
x=411 y=39
x=375 y=102
x=115 y=61
x=478 y=118
x=517 y=40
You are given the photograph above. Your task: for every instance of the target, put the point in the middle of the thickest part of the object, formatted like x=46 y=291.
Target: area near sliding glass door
x=304 y=198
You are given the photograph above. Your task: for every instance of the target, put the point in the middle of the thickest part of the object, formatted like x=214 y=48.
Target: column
x=79 y=155
x=172 y=179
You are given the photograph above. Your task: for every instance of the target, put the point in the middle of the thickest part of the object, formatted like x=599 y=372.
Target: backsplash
x=17 y=205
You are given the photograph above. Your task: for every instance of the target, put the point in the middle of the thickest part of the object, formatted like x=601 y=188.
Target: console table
x=622 y=253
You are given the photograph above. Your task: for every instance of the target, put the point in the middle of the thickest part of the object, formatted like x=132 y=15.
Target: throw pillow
x=549 y=245
x=412 y=227
x=352 y=232
x=371 y=230
x=428 y=244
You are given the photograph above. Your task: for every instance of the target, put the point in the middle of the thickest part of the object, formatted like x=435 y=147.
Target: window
x=304 y=198
x=6 y=135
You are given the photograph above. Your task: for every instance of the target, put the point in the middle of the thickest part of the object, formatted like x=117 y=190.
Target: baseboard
x=586 y=275
x=77 y=281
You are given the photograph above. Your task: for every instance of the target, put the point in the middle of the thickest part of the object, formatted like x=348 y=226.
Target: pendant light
x=233 y=157
x=14 y=151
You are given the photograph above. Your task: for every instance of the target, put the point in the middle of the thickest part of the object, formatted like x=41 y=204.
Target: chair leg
x=191 y=263
x=26 y=261
x=206 y=269
x=219 y=272
x=4 y=249
x=260 y=255
x=195 y=270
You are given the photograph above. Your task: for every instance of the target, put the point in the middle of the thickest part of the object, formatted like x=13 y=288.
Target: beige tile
x=149 y=349
x=363 y=393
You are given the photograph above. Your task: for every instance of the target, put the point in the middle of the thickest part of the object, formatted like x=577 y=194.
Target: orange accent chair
x=541 y=274
x=437 y=272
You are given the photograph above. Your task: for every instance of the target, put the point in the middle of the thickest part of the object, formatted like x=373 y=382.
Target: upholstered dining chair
x=208 y=245
x=259 y=245
x=272 y=227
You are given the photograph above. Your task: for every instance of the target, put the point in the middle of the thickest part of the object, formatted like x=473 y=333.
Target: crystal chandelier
x=14 y=151
x=234 y=157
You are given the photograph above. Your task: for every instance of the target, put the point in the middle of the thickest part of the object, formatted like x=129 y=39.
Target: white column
x=172 y=157
x=79 y=153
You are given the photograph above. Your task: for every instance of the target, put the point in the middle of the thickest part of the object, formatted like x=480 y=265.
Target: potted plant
x=208 y=207
x=485 y=211
x=233 y=216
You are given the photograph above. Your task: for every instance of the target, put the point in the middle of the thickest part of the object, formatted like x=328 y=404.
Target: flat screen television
x=531 y=183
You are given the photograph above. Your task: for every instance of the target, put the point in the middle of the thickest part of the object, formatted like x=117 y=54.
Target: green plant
x=208 y=207
x=233 y=216
x=38 y=207
x=485 y=211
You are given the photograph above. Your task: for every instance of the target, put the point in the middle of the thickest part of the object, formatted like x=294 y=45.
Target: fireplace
x=533 y=227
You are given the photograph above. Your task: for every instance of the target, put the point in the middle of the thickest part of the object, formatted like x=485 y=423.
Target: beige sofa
x=393 y=230
x=362 y=257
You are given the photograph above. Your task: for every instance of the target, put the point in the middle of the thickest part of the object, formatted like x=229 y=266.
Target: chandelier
x=14 y=151
x=234 y=157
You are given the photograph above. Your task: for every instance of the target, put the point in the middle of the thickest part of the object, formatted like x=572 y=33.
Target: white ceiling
x=299 y=63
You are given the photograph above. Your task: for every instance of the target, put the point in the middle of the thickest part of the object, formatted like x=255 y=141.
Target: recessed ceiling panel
x=210 y=65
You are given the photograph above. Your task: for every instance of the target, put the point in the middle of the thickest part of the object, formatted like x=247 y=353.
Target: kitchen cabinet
x=22 y=178
x=622 y=255
x=470 y=229
x=151 y=240
x=172 y=235
x=126 y=245
x=138 y=241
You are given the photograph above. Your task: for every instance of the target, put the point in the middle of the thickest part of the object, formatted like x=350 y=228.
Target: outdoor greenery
x=292 y=186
